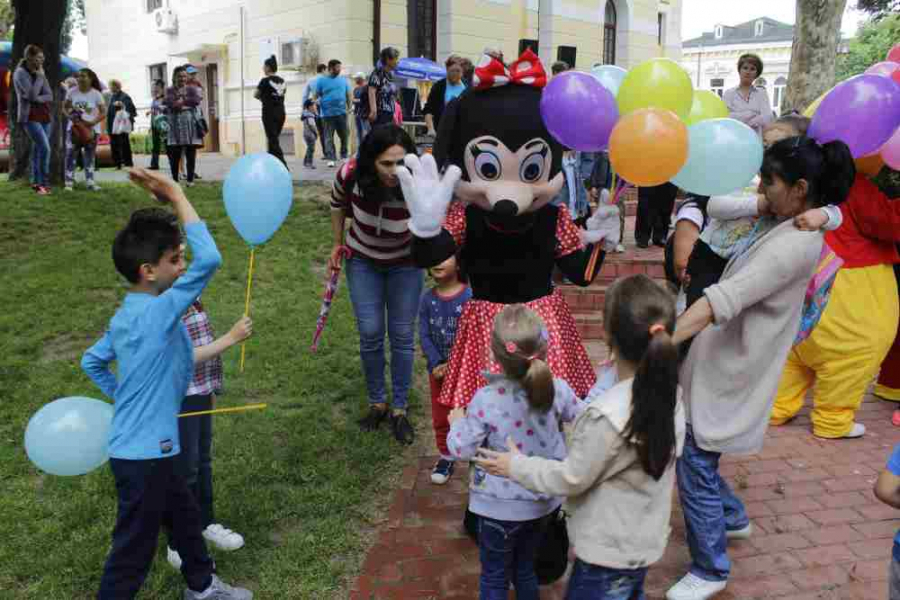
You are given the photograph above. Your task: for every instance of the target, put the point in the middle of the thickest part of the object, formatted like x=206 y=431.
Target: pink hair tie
x=656 y=328
x=511 y=347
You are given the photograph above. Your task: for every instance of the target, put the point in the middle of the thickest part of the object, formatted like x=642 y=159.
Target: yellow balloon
x=812 y=108
x=707 y=105
x=657 y=83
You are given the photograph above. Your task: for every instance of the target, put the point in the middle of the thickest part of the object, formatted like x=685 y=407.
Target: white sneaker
x=222 y=538
x=330 y=164
x=69 y=187
x=620 y=249
x=174 y=558
x=93 y=186
x=692 y=587
x=739 y=534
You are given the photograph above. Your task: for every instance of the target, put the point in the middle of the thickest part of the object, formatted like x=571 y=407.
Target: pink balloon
x=894 y=54
x=890 y=152
x=884 y=68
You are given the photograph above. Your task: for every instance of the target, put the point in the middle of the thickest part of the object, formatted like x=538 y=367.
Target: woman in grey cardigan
x=744 y=327
x=34 y=97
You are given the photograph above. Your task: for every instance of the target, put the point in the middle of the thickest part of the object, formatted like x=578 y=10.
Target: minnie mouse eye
x=532 y=167
x=487 y=165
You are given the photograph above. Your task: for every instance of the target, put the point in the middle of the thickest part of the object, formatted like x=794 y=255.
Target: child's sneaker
x=743 y=533
x=692 y=587
x=174 y=558
x=93 y=186
x=219 y=590
x=442 y=471
x=222 y=538
x=69 y=187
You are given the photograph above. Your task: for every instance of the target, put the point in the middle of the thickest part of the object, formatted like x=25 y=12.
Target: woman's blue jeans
x=385 y=295
x=594 y=582
x=710 y=509
x=40 y=151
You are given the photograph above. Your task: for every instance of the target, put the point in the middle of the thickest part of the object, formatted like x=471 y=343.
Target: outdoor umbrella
x=420 y=68
x=330 y=289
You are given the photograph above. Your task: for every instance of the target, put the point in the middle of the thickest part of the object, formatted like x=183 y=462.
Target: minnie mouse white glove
x=426 y=193
x=603 y=225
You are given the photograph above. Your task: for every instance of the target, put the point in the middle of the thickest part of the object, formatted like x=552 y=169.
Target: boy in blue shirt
x=149 y=342
x=887 y=489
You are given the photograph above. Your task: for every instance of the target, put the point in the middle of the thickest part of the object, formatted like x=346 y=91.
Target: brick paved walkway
x=819 y=531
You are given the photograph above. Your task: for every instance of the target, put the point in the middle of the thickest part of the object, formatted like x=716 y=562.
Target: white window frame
x=778 y=94
x=165 y=77
x=717 y=89
x=718 y=32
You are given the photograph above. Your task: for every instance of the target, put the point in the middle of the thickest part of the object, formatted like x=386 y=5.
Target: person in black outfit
x=120 y=143
x=654 y=214
x=437 y=97
x=270 y=92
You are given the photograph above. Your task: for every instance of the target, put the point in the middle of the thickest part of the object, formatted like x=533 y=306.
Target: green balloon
x=707 y=105
x=657 y=83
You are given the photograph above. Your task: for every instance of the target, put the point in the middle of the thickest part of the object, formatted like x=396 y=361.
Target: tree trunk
x=38 y=22
x=814 y=53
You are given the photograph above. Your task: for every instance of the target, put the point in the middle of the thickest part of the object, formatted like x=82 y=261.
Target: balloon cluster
x=863 y=112
x=656 y=127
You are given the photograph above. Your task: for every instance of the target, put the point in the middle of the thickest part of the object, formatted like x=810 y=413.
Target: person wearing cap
x=362 y=121
x=270 y=92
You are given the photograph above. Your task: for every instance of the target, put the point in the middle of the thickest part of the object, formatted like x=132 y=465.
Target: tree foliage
x=878 y=8
x=871 y=45
x=7 y=19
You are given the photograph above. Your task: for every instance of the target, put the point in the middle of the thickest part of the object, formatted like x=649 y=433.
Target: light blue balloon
x=610 y=76
x=723 y=156
x=258 y=196
x=69 y=436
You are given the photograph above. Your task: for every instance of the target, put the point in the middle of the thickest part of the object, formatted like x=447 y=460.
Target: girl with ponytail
x=743 y=328
x=620 y=471
x=521 y=408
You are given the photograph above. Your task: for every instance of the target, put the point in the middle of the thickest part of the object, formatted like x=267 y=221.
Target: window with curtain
x=609 y=33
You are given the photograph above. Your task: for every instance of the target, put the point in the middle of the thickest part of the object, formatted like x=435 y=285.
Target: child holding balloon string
x=154 y=355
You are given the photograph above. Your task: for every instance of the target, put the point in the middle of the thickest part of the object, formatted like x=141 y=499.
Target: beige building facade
x=137 y=41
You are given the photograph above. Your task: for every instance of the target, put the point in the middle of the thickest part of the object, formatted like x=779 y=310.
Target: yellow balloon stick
x=217 y=411
x=247 y=303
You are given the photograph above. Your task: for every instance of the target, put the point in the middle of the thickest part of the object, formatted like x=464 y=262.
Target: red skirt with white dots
x=471 y=354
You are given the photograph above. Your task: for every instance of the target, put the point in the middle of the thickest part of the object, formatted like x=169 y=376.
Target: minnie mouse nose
x=506 y=208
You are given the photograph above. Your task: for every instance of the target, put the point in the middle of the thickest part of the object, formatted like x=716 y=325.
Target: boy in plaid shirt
x=195 y=433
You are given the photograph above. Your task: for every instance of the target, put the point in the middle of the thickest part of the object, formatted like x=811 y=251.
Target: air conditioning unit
x=166 y=20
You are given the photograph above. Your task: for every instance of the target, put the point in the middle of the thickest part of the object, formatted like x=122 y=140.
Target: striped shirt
x=379 y=229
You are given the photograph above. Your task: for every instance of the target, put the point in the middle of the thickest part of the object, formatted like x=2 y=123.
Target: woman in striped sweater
x=385 y=285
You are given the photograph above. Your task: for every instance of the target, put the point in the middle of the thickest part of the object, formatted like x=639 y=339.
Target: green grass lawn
x=298 y=479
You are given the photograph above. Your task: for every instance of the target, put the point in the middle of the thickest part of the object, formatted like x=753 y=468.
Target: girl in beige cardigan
x=620 y=470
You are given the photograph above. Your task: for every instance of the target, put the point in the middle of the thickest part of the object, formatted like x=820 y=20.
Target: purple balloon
x=578 y=111
x=863 y=112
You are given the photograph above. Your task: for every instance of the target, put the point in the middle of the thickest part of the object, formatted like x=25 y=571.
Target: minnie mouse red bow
x=528 y=70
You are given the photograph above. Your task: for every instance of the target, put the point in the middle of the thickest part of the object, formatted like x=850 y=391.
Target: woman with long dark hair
x=385 y=285
x=270 y=92
x=34 y=96
x=742 y=330
x=184 y=136
x=85 y=107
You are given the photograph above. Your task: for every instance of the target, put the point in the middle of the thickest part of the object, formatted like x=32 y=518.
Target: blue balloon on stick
x=258 y=195
x=723 y=156
x=69 y=436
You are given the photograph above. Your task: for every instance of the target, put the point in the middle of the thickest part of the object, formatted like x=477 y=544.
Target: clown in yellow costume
x=844 y=352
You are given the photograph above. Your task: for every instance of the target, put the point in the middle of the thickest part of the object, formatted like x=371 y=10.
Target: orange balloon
x=648 y=146
x=870 y=165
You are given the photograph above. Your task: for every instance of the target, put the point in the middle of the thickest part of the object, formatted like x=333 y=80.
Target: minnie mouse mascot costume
x=503 y=167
